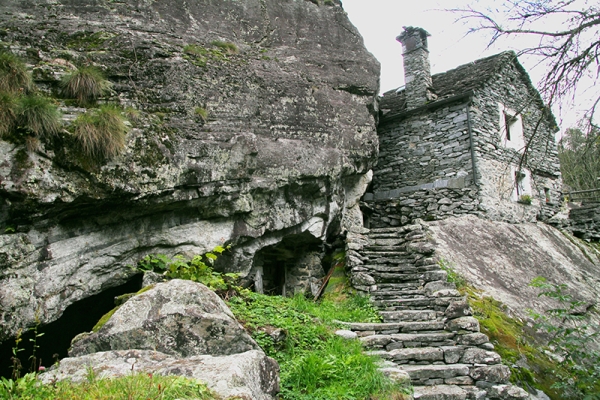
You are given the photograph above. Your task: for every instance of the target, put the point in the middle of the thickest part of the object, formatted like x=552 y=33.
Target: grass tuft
x=202 y=113
x=86 y=85
x=14 y=76
x=9 y=106
x=39 y=115
x=228 y=47
x=101 y=133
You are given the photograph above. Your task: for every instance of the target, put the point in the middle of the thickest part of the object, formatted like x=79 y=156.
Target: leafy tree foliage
x=579 y=155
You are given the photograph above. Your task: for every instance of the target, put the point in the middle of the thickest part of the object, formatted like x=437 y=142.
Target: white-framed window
x=511 y=129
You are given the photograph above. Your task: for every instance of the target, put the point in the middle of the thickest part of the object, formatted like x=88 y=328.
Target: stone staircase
x=428 y=331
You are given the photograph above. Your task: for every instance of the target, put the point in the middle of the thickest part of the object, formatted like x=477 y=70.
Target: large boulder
x=255 y=122
x=175 y=328
x=179 y=318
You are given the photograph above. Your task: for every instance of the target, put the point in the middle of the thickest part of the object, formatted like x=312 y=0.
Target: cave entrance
x=77 y=318
x=291 y=266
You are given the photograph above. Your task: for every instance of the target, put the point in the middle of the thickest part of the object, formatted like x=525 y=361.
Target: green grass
x=228 y=47
x=101 y=132
x=316 y=364
x=514 y=342
x=39 y=115
x=202 y=113
x=14 y=77
x=86 y=85
x=134 y=386
x=9 y=104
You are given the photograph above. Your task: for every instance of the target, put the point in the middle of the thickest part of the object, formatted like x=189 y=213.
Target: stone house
x=476 y=139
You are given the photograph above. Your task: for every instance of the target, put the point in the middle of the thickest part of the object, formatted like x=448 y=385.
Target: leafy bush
x=14 y=76
x=572 y=338
x=86 y=85
x=38 y=115
x=198 y=269
x=101 y=132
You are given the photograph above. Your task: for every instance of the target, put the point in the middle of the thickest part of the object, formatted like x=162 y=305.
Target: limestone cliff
x=271 y=140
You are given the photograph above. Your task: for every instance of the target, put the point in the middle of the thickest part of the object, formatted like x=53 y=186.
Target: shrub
x=198 y=269
x=9 y=105
x=101 y=133
x=572 y=336
x=86 y=85
x=525 y=199
x=14 y=76
x=38 y=115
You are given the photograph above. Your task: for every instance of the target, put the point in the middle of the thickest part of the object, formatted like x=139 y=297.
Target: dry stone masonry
x=478 y=141
x=428 y=330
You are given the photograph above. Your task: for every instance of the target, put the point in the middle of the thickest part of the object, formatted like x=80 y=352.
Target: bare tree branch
x=571 y=50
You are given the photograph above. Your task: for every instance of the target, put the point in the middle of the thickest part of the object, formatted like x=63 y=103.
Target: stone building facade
x=476 y=139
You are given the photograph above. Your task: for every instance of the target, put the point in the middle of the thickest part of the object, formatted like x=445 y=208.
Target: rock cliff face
x=254 y=124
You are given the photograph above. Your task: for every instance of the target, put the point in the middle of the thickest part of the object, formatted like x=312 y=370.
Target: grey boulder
x=179 y=318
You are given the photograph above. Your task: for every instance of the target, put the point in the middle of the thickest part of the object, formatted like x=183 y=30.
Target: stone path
x=428 y=331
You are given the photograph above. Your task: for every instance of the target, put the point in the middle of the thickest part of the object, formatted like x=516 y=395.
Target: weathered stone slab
x=439 y=392
x=419 y=372
x=463 y=323
x=430 y=354
x=473 y=339
x=492 y=373
x=476 y=355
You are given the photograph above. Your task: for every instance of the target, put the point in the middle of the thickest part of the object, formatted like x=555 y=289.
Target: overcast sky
x=380 y=21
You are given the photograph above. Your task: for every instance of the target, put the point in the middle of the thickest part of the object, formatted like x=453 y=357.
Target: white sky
x=380 y=21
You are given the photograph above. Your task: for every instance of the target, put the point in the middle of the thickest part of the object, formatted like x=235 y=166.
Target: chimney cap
x=410 y=32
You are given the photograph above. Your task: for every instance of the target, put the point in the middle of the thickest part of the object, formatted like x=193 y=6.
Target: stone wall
x=425 y=148
x=426 y=204
x=497 y=163
x=585 y=222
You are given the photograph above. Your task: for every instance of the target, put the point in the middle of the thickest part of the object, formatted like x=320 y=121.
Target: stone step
x=415 y=303
x=390 y=295
x=396 y=327
x=439 y=374
x=377 y=231
x=387 y=252
x=385 y=267
x=411 y=315
x=446 y=392
x=428 y=276
x=405 y=340
x=385 y=242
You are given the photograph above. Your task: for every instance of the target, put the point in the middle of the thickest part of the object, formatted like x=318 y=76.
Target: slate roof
x=465 y=78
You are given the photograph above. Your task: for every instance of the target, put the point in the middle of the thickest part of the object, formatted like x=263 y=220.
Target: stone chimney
x=417 y=71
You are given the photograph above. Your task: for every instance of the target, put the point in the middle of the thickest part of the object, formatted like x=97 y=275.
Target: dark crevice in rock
x=56 y=340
